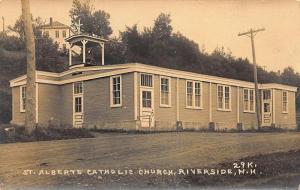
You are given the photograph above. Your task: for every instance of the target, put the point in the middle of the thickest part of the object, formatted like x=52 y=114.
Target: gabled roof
x=55 y=24
x=76 y=39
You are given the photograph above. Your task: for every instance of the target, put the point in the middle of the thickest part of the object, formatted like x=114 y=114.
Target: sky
x=210 y=23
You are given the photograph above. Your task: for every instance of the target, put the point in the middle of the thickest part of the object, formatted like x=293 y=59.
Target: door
x=78 y=105
x=146 y=108
x=266 y=108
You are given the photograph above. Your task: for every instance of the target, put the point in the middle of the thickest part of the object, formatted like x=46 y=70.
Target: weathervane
x=78 y=26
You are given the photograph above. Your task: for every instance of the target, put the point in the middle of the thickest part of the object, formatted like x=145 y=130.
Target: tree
x=48 y=57
x=162 y=29
x=132 y=41
x=93 y=22
x=19 y=28
x=30 y=118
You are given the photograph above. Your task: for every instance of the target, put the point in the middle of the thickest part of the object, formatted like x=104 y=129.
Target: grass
x=201 y=130
x=18 y=134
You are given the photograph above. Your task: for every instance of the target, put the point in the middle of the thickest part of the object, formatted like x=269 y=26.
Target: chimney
x=51 y=21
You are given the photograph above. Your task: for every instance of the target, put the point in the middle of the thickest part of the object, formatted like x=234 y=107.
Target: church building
x=135 y=96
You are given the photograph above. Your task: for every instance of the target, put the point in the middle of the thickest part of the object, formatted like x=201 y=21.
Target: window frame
x=223 y=97
x=76 y=95
x=152 y=80
x=76 y=105
x=287 y=102
x=147 y=99
x=74 y=91
x=64 y=33
x=169 y=91
x=193 y=106
x=249 y=100
x=112 y=91
x=22 y=108
x=57 y=34
x=201 y=102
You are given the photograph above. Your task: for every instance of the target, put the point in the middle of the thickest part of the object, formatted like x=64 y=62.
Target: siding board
x=224 y=119
x=285 y=120
x=97 y=110
x=18 y=117
x=50 y=107
x=193 y=118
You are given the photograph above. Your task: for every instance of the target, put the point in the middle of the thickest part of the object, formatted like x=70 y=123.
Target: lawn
x=132 y=151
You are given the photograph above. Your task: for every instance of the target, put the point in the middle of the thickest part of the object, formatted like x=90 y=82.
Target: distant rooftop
x=54 y=24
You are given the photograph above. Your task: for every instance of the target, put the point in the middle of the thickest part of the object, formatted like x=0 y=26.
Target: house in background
x=135 y=96
x=58 y=32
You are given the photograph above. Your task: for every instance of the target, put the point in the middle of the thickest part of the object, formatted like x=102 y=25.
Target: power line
x=251 y=33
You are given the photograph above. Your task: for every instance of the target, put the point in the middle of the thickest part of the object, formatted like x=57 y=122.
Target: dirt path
x=130 y=151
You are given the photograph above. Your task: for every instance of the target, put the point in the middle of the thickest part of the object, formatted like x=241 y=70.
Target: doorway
x=266 y=108
x=146 y=108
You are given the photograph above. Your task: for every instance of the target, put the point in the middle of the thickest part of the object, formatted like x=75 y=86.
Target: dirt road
x=130 y=151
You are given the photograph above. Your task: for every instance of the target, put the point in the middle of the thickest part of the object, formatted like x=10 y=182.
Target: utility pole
x=251 y=33
x=3 y=26
x=30 y=118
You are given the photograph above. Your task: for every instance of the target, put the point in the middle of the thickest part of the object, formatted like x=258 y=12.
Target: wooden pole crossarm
x=251 y=32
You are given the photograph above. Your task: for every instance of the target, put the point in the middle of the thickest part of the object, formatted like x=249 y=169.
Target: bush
x=5 y=107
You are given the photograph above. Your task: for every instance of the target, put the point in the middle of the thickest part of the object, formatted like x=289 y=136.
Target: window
x=249 y=100
x=284 y=101
x=57 y=34
x=266 y=94
x=193 y=94
x=224 y=97
x=220 y=97
x=64 y=33
x=78 y=89
x=116 y=92
x=165 y=94
x=146 y=80
x=227 y=98
x=252 y=107
x=78 y=96
x=267 y=108
x=147 y=100
x=22 y=98
x=78 y=104
x=189 y=93
x=246 y=100
x=197 y=94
